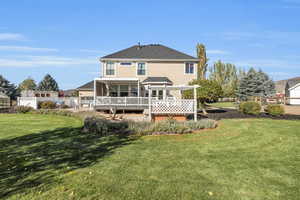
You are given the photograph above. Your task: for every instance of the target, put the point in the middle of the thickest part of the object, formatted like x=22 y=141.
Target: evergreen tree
x=48 y=84
x=27 y=84
x=255 y=84
x=202 y=65
x=8 y=88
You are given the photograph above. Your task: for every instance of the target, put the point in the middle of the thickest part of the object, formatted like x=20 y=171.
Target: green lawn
x=47 y=157
x=223 y=105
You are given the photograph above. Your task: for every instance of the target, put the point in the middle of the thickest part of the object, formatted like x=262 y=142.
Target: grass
x=47 y=157
x=223 y=105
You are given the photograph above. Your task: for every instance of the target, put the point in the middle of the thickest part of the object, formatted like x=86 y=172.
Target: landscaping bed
x=227 y=113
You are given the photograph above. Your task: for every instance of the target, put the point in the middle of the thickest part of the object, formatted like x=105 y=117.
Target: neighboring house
x=4 y=100
x=281 y=86
x=129 y=72
x=86 y=94
x=293 y=91
x=37 y=93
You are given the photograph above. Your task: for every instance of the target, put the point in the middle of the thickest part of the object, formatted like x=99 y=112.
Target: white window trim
x=136 y=68
x=194 y=71
x=115 y=69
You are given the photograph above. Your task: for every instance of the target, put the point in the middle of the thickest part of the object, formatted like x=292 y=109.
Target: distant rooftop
x=151 y=51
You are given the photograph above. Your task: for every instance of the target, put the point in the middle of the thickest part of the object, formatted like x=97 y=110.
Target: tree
x=208 y=91
x=27 y=84
x=255 y=84
x=226 y=75
x=8 y=88
x=202 y=65
x=48 y=84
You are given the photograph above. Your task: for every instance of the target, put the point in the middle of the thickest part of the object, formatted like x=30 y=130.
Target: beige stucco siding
x=86 y=93
x=175 y=71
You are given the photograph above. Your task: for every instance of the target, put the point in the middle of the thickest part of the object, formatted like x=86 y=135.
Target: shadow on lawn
x=38 y=159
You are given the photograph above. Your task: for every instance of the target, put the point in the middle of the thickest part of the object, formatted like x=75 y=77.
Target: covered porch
x=128 y=93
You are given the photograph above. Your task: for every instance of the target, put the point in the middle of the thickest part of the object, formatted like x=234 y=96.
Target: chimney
x=139 y=46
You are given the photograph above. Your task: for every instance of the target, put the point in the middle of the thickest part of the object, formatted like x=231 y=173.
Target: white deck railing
x=173 y=106
x=122 y=101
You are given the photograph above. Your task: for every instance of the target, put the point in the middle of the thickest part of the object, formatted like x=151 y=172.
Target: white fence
x=33 y=101
x=175 y=106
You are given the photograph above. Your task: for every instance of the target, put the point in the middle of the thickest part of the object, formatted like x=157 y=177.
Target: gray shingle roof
x=157 y=79
x=292 y=82
x=152 y=51
x=87 y=86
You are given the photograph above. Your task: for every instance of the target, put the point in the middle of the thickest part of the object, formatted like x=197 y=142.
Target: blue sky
x=66 y=37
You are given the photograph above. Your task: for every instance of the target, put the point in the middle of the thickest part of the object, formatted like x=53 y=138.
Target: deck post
x=149 y=102
x=195 y=103
x=138 y=89
x=95 y=93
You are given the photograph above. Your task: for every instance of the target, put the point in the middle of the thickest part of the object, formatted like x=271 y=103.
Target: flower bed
x=107 y=127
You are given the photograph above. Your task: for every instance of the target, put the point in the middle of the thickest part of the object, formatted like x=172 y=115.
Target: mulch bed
x=226 y=113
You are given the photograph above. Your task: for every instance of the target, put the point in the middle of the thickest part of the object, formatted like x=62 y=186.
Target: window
x=110 y=68
x=160 y=94
x=113 y=91
x=124 y=90
x=125 y=63
x=141 y=69
x=154 y=93
x=189 y=68
x=134 y=91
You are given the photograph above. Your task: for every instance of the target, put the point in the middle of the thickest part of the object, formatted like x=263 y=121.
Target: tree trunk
x=203 y=107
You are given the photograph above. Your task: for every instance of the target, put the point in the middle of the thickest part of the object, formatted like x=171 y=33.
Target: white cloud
x=26 y=49
x=45 y=61
x=268 y=63
x=218 y=52
x=91 y=51
x=11 y=36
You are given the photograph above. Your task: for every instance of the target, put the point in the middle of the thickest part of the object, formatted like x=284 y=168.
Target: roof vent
x=139 y=46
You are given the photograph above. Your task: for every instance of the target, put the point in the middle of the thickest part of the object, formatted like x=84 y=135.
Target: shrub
x=274 y=109
x=202 y=124
x=47 y=105
x=103 y=126
x=250 y=107
x=171 y=127
x=23 y=109
x=64 y=106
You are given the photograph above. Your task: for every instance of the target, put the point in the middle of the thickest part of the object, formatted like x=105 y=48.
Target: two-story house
x=127 y=74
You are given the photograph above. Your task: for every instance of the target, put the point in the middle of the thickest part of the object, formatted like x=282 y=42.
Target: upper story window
x=110 y=68
x=125 y=63
x=189 y=68
x=141 y=69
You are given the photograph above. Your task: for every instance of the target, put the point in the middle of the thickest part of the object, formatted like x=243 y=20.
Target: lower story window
x=133 y=91
x=113 y=91
x=124 y=90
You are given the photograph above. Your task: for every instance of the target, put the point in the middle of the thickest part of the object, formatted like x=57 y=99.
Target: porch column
x=165 y=92
x=150 y=103
x=195 y=103
x=95 y=93
x=107 y=89
x=138 y=88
